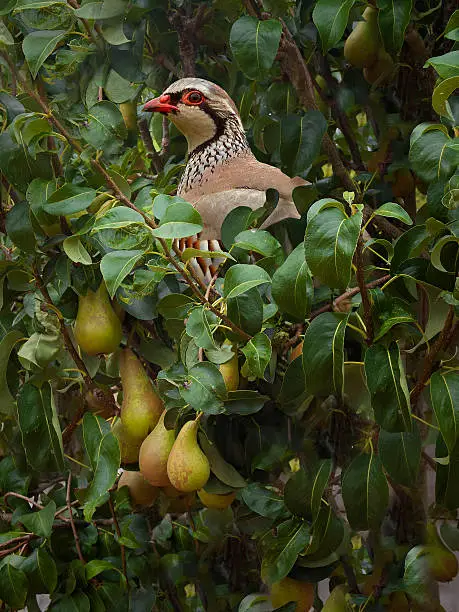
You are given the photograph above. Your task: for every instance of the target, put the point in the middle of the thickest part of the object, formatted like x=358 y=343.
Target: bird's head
x=198 y=108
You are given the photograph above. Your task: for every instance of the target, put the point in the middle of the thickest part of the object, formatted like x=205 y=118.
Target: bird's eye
x=193 y=97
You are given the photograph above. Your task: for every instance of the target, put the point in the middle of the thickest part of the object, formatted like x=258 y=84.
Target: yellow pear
x=141 y=406
x=288 y=589
x=230 y=372
x=187 y=466
x=97 y=328
x=129 y=445
x=154 y=453
x=219 y=502
x=362 y=45
x=141 y=491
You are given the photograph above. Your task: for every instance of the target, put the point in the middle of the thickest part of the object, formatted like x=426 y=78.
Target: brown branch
x=366 y=303
x=431 y=357
x=147 y=140
x=19 y=496
x=76 y=537
x=118 y=533
x=347 y=295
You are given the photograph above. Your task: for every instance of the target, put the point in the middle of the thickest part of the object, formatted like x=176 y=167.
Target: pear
x=442 y=562
x=362 y=45
x=219 y=502
x=187 y=466
x=337 y=601
x=141 y=406
x=141 y=491
x=176 y=502
x=380 y=70
x=154 y=453
x=288 y=589
x=129 y=445
x=230 y=373
x=97 y=328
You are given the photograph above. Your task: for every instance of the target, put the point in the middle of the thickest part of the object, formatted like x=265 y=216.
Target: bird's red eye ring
x=193 y=98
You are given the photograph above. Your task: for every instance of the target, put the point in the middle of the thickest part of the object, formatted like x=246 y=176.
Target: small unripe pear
x=129 y=445
x=289 y=589
x=141 y=491
x=230 y=373
x=154 y=454
x=219 y=502
x=141 y=406
x=97 y=328
x=187 y=466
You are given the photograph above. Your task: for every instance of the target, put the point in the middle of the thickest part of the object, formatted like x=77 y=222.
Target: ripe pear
x=288 y=589
x=230 y=373
x=187 y=466
x=129 y=445
x=219 y=502
x=97 y=328
x=141 y=491
x=362 y=45
x=141 y=406
x=154 y=454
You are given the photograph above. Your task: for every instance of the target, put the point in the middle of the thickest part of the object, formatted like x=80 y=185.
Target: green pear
x=337 y=601
x=230 y=372
x=142 y=493
x=187 y=466
x=442 y=562
x=141 y=406
x=154 y=453
x=362 y=45
x=129 y=445
x=97 y=328
x=288 y=589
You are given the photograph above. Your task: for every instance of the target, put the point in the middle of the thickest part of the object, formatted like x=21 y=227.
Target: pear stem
x=118 y=533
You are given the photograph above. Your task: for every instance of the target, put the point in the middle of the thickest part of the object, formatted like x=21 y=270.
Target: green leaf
x=175 y=306
x=305 y=488
x=429 y=154
x=102 y=10
x=75 y=251
x=117 y=218
x=106 y=463
x=260 y=241
x=446 y=65
x=327 y=535
x=442 y=93
x=386 y=382
x=242 y=277
x=199 y=326
x=400 y=454
x=395 y=211
x=13 y=586
x=36 y=4
x=69 y=199
x=94 y=429
x=292 y=287
x=223 y=470
x=281 y=551
x=6 y=346
x=38 y=46
x=263 y=500
x=235 y=222
x=301 y=140
x=330 y=241
x=246 y=311
x=47 y=570
x=205 y=388
x=180 y=220
x=115 y=266
x=94 y=567
x=393 y=18
x=105 y=128
x=447 y=475
x=258 y=353
x=19 y=227
x=254 y=44
x=244 y=402
x=365 y=492
x=330 y=18
x=444 y=395
x=39 y=425
x=5 y=36
x=323 y=354
x=40 y=523
x=389 y=311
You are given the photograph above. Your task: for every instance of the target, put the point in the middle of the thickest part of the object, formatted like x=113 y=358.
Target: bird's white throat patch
x=195 y=124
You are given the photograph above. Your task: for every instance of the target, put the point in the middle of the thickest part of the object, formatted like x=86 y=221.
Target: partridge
x=221 y=172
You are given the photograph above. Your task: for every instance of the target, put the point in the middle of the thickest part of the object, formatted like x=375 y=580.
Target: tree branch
x=76 y=537
x=366 y=303
x=118 y=533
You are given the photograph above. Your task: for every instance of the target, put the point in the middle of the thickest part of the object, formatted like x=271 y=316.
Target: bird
x=221 y=172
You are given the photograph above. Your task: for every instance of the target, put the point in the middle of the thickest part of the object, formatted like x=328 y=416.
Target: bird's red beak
x=160 y=105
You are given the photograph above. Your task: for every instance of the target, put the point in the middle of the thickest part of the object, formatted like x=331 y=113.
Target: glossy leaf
x=263 y=500
x=41 y=522
x=330 y=18
x=292 y=286
x=115 y=266
x=69 y=199
x=76 y=251
x=254 y=44
x=199 y=325
x=395 y=211
x=388 y=388
x=446 y=65
x=205 y=388
x=444 y=395
x=400 y=454
x=283 y=550
x=246 y=311
x=6 y=346
x=242 y=277
x=179 y=221
x=223 y=470
x=13 y=586
x=39 y=45
x=106 y=129
x=258 y=353
x=365 y=492
x=393 y=18
x=429 y=153
x=301 y=139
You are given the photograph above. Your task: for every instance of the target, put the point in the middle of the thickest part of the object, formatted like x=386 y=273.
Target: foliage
x=311 y=446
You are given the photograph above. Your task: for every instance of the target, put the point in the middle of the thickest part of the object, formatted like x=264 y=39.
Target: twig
x=76 y=537
x=118 y=533
x=366 y=304
x=431 y=356
x=149 y=146
x=348 y=294
x=19 y=496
